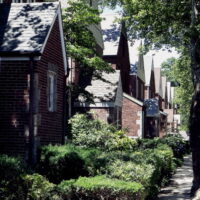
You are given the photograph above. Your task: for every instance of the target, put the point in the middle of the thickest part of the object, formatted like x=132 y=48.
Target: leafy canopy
x=167 y=69
x=78 y=18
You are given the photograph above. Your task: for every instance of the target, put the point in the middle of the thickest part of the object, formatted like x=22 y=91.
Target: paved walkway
x=181 y=183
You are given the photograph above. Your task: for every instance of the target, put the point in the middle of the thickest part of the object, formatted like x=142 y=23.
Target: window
x=52 y=87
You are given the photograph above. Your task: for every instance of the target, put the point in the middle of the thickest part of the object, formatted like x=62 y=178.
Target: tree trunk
x=194 y=122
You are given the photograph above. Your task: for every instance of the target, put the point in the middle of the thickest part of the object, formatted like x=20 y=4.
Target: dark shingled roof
x=25 y=26
x=105 y=89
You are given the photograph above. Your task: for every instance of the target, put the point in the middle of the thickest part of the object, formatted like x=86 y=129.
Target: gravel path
x=181 y=183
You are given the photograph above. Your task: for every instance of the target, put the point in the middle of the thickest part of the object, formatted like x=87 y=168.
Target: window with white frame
x=52 y=90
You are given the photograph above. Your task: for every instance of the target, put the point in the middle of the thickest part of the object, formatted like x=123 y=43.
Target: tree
x=173 y=23
x=167 y=69
x=183 y=97
x=179 y=71
x=80 y=42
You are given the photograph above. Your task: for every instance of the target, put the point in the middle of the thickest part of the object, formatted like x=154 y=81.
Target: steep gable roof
x=164 y=87
x=25 y=26
x=169 y=98
x=158 y=82
x=148 y=67
x=136 y=60
x=111 y=31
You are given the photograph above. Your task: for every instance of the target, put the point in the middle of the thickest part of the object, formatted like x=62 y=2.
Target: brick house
x=151 y=103
x=107 y=98
x=159 y=96
x=121 y=55
x=133 y=116
x=170 y=110
x=137 y=74
x=164 y=116
x=32 y=77
x=75 y=77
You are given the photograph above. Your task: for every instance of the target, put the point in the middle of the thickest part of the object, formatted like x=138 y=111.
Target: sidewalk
x=181 y=182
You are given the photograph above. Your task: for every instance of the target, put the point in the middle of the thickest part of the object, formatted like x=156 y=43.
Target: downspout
x=31 y=157
x=65 y=117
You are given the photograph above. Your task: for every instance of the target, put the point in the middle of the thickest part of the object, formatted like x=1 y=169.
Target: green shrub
x=129 y=171
x=59 y=163
x=10 y=177
x=179 y=146
x=10 y=168
x=150 y=167
x=93 y=133
x=100 y=187
x=36 y=187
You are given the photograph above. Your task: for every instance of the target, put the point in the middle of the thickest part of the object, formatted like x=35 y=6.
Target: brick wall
x=51 y=125
x=136 y=87
x=131 y=117
x=13 y=99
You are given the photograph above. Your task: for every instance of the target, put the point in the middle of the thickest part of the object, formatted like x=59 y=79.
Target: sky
x=159 y=55
x=162 y=55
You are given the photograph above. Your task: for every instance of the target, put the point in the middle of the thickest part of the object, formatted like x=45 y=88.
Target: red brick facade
x=132 y=118
x=51 y=128
x=13 y=115
x=136 y=87
x=14 y=100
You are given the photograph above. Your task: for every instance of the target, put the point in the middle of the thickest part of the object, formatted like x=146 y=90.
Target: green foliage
x=167 y=69
x=88 y=132
x=159 y=22
x=100 y=187
x=176 y=142
x=130 y=171
x=150 y=167
x=36 y=187
x=185 y=91
x=179 y=146
x=81 y=44
x=10 y=168
x=59 y=163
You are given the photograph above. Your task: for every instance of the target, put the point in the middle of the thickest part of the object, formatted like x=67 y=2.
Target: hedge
x=100 y=187
x=66 y=162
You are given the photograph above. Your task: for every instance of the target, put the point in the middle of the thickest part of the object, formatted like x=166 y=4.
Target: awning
x=152 y=108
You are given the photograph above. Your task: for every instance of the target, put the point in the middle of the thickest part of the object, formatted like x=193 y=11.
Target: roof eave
x=20 y=53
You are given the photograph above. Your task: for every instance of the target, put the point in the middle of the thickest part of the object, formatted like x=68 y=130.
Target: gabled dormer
x=137 y=74
x=116 y=46
x=149 y=77
x=158 y=85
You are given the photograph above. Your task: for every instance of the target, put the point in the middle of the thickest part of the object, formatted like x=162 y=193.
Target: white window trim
x=52 y=91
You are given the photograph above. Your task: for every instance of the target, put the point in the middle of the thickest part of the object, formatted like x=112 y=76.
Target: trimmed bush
x=150 y=167
x=100 y=187
x=59 y=163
